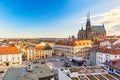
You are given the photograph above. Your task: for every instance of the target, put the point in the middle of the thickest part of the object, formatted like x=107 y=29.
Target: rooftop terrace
x=89 y=73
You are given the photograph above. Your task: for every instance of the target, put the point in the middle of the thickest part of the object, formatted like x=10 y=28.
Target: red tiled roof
x=74 y=42
x=109 y=51
x=113 y=37
x=116 y=45
x=96 y=43
x=9 y=50
x=102 y=37
x=39 y=47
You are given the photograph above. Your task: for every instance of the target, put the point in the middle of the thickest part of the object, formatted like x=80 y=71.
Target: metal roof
x=39 y=71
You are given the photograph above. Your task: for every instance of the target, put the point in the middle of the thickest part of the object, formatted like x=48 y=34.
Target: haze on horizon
x=55 y=18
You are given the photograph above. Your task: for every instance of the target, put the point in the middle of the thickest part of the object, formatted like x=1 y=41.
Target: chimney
x=29 y=68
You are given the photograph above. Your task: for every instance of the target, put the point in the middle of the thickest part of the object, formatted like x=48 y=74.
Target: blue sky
x=49 y=18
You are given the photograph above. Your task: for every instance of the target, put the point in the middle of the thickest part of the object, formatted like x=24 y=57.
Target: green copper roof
x=20 y=73
x=98 y=28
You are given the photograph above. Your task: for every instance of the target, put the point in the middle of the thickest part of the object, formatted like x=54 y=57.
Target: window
x=0 y=59
x=7 y=59
x=117 y=72
x=18 y=58
x=13 y=58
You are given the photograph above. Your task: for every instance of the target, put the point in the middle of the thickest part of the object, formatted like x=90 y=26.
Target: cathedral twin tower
x=91 y=31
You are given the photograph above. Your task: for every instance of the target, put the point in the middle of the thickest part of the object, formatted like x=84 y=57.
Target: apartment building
x=35 y=52
x=77 y=48
x=105 y=54
x=10 y=55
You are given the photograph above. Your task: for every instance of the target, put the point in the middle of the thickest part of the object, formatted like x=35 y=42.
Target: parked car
x=43 y=62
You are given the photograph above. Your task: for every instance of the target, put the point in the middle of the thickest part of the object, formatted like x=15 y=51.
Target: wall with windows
x=11 y=58
x=77 y=51
x=36 y=54
x=102 y=57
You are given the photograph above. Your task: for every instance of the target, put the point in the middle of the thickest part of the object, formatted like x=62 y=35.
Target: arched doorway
x=7 y=63
x=42 y=56
x=46 y=56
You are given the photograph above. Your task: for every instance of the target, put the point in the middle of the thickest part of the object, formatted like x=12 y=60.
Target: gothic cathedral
x=91 y=31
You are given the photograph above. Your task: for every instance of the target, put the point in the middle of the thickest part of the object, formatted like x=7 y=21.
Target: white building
x=10 y=55
x=81 y=73
x=103 y=55
x=105 y=43
x=71 y=48
x=113 y=66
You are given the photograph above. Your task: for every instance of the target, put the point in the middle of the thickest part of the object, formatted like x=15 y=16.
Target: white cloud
x=111 y=19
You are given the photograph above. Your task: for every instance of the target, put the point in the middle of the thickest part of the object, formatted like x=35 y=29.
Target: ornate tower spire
x=88 y=28
x=82 y=28
x=88 y=23
x=88 y=16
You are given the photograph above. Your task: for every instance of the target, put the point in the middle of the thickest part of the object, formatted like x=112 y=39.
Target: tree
x=96 y=39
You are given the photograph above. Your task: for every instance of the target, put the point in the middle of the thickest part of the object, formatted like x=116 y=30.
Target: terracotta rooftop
x=96 y=43
x=111 y=36
x=109 y=51
x=74 y=42
x=102 y=37
x=9 y=50
x=114 y=36
x=38 y=47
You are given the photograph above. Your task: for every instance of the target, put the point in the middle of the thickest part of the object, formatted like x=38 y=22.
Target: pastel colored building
x=10 y=55
x=77 y=48
x=35 y=52
x=113 y=66
x=103 y=55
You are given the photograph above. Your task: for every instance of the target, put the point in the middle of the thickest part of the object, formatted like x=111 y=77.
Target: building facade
x=92 y=58
x=103 y=55
x=77 y=48
x=10 y=55
x=113 y=66
x=36 y=52
x=91 y=31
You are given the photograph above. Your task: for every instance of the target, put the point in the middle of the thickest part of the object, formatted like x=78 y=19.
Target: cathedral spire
x=88 y=16
x=88 y=23
x=82 y=28
x=88 y=27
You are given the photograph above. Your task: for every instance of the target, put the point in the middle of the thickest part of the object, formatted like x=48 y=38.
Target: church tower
x=88 y=28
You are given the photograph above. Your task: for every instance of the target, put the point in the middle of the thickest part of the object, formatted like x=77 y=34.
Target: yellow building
x=36 y=52
x=78 y=48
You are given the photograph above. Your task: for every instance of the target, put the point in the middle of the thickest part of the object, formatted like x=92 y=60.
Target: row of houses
x=107 y=55
x=104 y=51
x=36 y=52
x=13 y=55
